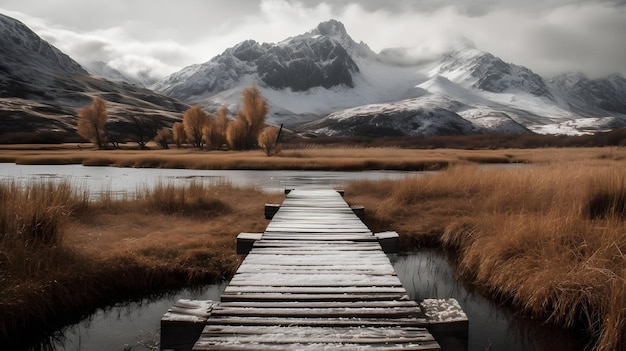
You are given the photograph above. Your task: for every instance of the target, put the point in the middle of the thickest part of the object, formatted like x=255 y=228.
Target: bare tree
x=162 y=137
x=91 y=124
x=178 y=134
x=268 y=140
x=194 y=120
x=142 y=129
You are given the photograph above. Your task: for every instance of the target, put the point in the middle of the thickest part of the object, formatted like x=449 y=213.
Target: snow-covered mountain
x=324 y=82
x=104 y=70
x=41 y=88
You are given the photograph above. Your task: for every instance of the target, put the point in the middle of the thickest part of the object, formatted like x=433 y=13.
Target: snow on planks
x=317 y=279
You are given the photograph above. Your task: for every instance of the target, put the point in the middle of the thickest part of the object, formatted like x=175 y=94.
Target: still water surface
x=129 y=180
x=425 y=274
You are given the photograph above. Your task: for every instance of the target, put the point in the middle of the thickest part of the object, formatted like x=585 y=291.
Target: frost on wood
x=194 y=311
x=443 y=311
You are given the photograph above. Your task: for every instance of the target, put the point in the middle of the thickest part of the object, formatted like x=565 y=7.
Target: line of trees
x=197 y=129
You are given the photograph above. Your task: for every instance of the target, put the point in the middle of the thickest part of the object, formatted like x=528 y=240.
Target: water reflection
x=428 y=274
x=132 y=326
x=113 y=180
x=425 y=274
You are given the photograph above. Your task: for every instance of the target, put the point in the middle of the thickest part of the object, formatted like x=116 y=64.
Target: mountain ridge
x=41 y=88
x=319 y=82
x=492 y=92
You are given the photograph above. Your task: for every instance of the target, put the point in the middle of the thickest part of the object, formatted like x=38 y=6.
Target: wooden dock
x=316 y=279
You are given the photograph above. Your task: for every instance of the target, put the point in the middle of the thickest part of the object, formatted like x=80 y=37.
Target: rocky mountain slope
x=323 y=82
x=41 y=88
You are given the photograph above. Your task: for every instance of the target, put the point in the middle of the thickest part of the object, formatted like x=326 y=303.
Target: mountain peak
x=23 y=50
x=332 y=28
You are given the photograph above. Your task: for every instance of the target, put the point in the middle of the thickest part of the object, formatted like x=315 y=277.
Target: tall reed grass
x=549 y=240
x=64 y=253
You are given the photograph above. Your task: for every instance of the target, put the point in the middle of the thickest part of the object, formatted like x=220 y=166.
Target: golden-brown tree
x=162 y=137
x=178 y=134
x=268 y=140
x=220 y=126
x=236 y=133
x=214 y=131
x=254 y=110
x=243 y=133
x=91 y=124
x=194 y=120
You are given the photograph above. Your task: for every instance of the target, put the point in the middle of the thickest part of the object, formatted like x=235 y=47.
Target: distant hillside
x=41 y=88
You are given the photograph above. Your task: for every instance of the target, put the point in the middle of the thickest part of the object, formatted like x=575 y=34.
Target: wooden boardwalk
x=317 y=279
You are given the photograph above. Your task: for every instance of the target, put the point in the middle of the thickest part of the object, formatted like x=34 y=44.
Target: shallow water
x=132 y=326
x=426 y=274
x=131 y=180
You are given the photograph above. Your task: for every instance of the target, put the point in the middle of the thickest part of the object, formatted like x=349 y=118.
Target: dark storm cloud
x=161 y=36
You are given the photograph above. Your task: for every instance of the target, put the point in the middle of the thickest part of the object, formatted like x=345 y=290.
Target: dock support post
x=359 y=211
x=245 y=241
x=270 y=210
x=183 y=323
x=389 y=241
x=447 y=322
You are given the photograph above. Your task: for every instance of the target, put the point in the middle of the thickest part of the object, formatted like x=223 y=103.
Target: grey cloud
x=162 y=36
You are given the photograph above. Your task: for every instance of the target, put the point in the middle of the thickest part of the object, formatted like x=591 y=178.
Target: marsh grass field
x=548 y=239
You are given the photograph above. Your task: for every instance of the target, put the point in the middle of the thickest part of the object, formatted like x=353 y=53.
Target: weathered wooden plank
x=299 y=250
x=314 y=260
x=316 y=290
x=298 y=279
x=274 y=296
x=345 y=312
x=364 y=237
x=353 y=332
x=319 y=322
x=319 y=304
x=343 y=338
x=327 y=269
x=306 y=347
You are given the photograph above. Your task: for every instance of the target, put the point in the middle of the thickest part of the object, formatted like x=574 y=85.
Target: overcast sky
x=163 y=36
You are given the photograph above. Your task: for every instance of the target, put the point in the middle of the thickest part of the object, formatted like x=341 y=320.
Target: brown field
x=548 y=239
x=313 y=157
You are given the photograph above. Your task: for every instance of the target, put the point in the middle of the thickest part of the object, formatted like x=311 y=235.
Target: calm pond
x=135 y=326
x=129 y=180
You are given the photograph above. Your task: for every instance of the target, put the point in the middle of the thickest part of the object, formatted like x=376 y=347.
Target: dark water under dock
x=135 y=326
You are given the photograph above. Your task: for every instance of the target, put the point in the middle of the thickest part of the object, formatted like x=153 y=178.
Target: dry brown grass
x=526 y=236
x=313 y=158
x=106 y=250
x=316 y=158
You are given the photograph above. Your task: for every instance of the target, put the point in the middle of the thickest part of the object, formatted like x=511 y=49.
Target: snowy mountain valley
x=319 y=83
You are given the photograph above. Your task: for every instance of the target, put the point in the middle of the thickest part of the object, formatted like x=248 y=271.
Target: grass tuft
x=607 y=196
